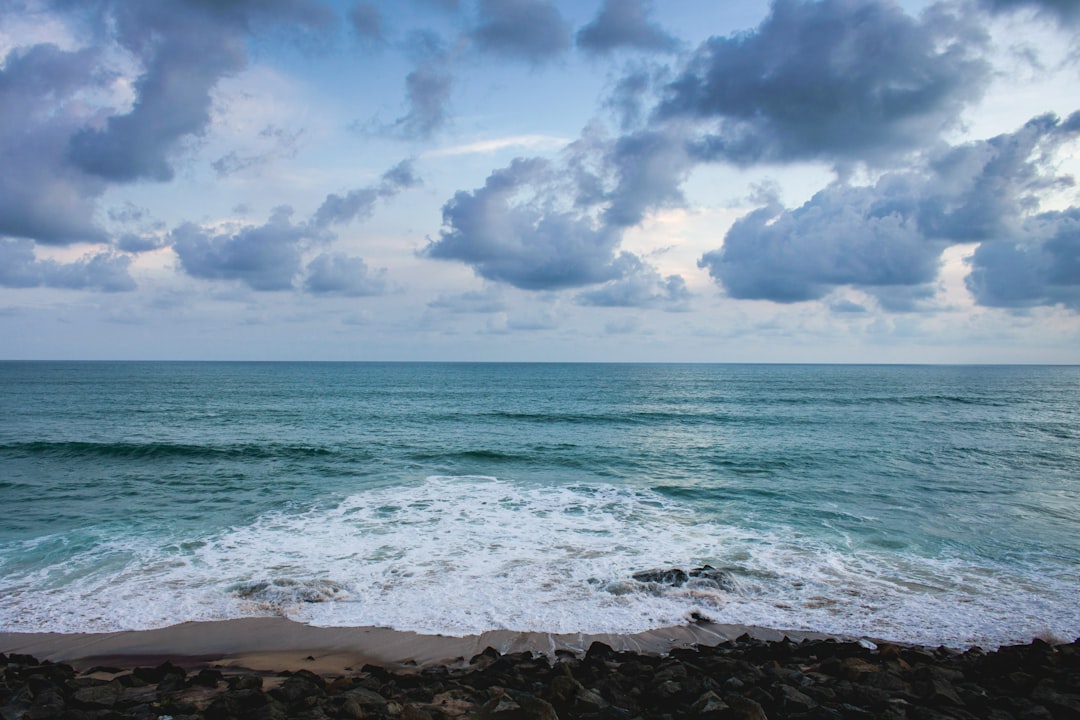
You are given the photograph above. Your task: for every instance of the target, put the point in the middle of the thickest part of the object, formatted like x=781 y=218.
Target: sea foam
x=462 y=555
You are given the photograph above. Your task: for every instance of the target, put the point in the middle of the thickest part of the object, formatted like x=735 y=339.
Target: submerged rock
x=706 y=575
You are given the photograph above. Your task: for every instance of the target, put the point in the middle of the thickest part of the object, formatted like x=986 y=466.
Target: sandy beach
x=274 y=644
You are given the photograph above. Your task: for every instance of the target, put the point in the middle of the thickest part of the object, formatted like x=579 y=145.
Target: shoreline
x=268 y=644
x=775 y=677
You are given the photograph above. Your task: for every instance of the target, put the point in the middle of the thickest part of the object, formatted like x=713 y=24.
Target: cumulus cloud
x=184 y=63
x=19 y=268
x=61 y=150
x=511 y=231
x=338 y=274
x=887 y=238
x=1041 y=266
x=641 y=286
x=42 y=196
x=427 y=95
x=358 y=204
x=531 y=30
x=269 y=257
x=264 y=257
x=839 y=80
x=624 y=23
x=650 y=167
x=185 y=48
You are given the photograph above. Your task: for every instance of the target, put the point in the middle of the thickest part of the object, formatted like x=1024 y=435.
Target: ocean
x=925 y=504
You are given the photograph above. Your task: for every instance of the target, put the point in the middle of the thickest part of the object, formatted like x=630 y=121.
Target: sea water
x=936 y=505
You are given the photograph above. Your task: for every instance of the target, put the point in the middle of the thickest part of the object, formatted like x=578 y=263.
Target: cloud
x=66 y=133
x=641 y=286
x=427 y=94
x=268 y=257
x=624 y=23
x=338 y=274
x=531 y=30
x=265 y=257
x=496 y=144
x=283 y=144
x=488 y=300
x=360 y=203
x=887 y=238
x=186 y=53
x=1042 y=267
x=367 y=23
x=447 y=5
x=840 y=80
x=1065 y=11
x=42 y=196
x=650 y=167
x=511 y=231
x=19 y=268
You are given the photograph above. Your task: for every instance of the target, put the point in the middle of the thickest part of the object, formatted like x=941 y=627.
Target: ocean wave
x=158 y=450
x=457 y=555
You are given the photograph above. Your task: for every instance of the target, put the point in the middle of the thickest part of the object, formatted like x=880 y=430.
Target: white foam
x=463 y=555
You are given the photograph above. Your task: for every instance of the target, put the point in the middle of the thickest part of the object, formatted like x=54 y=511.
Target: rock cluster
x=742 y=680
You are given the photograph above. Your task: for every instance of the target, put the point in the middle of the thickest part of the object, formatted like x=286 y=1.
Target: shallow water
x=925 y=504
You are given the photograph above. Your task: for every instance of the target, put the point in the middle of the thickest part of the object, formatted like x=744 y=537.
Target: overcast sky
x=675 y=180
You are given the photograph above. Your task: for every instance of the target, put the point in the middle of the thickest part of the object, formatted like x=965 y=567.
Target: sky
x=540 y=180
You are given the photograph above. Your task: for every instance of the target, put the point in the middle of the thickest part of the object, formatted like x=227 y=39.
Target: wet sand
x=275 y=644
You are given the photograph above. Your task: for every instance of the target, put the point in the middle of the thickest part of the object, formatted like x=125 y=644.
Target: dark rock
x=744 y=708
x=99 y=695
x=710 y=707
x=721 y=579
x=674 y=577
x=245 y=682
x=207 y=678
x=599 y=652
x=155 y=675
x=298 y=688
x=937 y=692
x=519 y=707
x=792 y=700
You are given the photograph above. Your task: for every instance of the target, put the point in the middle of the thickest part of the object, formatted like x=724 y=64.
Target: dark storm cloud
x=265 y=257
x=1040 y=267
x=102 y=271
x=338 y=274
x=836 y=80
x=888 y=238
x=530 y=30
x=41 y=195
x=360 y=203
x=624 y=23
x=510 y=231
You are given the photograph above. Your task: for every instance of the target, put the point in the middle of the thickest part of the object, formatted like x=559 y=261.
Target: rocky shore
x=745 y=679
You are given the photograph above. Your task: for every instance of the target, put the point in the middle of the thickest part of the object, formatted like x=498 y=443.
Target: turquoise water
x=925 y=504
